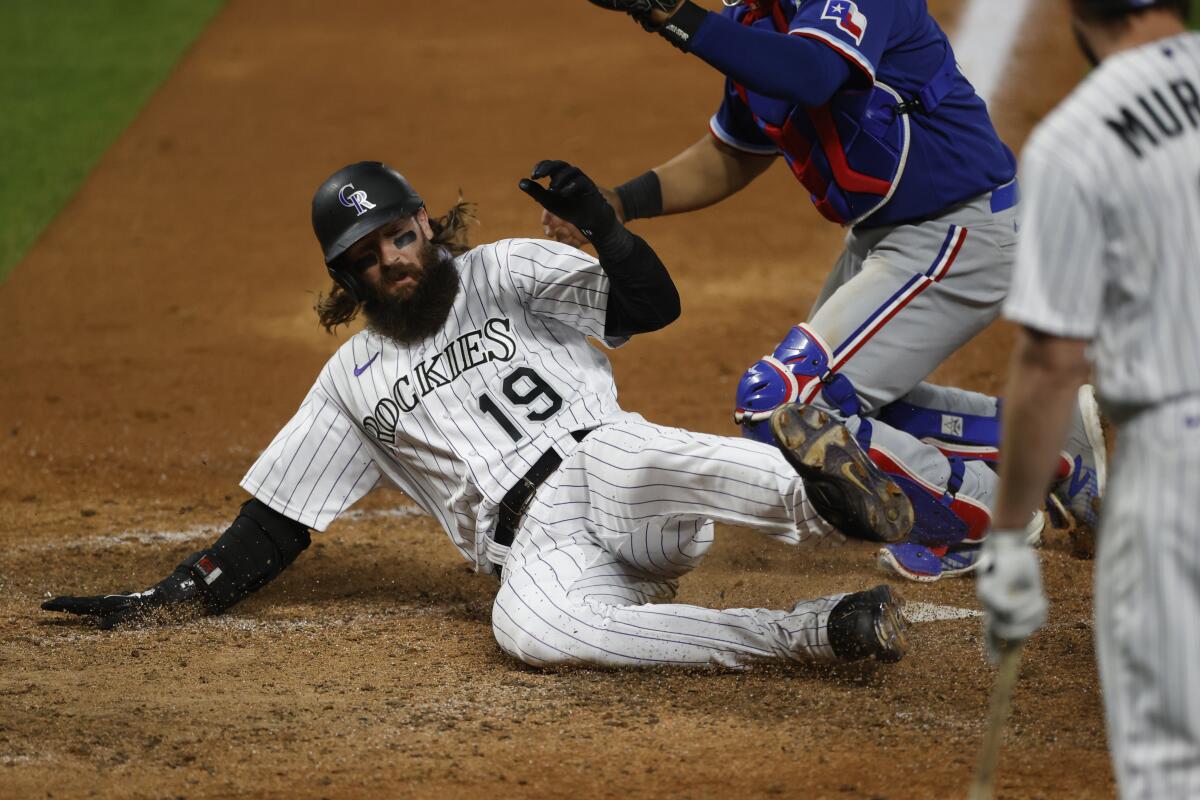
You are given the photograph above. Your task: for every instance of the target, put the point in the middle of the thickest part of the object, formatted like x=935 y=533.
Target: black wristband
x=682 y=25
x=641 y=197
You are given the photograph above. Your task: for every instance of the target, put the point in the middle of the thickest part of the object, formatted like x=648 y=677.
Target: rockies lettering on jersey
x=471 y=350
x=456 y=419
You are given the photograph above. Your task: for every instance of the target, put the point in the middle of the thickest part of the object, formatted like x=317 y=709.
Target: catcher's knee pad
x=796 y=372
x=969 y=436
x=766 y=386
x=942 y=517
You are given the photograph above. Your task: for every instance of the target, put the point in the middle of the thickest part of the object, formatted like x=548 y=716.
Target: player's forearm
x=704 y=174
x=800 y=70
x=641 y=297
x=257 y=546
x=1044 y=377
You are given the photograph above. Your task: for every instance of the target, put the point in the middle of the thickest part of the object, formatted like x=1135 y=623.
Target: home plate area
x=931 y=612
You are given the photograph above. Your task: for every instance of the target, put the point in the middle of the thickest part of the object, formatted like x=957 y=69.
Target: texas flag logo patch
x=848 y=18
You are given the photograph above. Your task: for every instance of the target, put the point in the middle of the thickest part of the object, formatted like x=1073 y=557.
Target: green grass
x=73 y=75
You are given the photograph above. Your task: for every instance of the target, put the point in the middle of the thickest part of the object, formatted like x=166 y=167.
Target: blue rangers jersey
x=904 y=139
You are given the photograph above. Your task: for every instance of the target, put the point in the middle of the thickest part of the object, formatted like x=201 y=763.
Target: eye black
x=404 y=240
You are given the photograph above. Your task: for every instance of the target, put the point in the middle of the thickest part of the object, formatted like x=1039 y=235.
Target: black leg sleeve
x=259 y=544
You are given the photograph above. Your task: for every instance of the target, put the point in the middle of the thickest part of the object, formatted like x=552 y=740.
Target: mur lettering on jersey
x=1161 y=114
x=493 y=342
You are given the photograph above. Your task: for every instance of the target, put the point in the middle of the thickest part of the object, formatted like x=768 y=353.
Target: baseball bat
x=984 y=783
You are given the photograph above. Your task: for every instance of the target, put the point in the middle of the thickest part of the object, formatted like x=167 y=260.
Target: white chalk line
x=932 y=612
x=145 y=537
x=984 y=40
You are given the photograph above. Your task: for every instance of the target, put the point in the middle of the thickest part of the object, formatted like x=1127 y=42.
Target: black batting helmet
x=354 y=201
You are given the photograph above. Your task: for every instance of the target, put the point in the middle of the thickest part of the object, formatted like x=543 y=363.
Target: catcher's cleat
x=869 y=624
x=1081 y=491
x=918 y=562
x=845 y=486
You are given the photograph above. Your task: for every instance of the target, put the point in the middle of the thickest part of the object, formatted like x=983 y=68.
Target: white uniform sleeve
x=1059 y=277
x=317 y=466
x=558 y=281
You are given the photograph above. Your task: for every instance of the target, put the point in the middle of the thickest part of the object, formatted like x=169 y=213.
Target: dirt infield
x=161 y=331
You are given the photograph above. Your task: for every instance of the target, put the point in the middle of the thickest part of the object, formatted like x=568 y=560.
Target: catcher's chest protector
x=849 y=153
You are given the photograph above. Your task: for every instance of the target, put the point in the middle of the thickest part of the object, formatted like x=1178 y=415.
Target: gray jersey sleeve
x=317 y=466
x=557 y=281
x=1059 y=278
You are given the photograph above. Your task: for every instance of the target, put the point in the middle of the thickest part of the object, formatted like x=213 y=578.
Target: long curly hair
x=449 y=231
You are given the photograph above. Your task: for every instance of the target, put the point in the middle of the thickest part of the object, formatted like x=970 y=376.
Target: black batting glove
x=572 y=196
x=175 y=597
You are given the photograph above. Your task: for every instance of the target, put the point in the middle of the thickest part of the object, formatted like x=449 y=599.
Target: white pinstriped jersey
x=456 y=419
x=1110 y=230
x=1109 y=251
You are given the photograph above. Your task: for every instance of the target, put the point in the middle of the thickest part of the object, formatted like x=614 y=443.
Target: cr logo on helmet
x=356 y=199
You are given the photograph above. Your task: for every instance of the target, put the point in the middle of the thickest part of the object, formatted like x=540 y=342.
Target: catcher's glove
x=677 y=21
x=637 y=8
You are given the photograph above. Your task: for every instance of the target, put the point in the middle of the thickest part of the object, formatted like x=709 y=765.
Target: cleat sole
x=845 y=486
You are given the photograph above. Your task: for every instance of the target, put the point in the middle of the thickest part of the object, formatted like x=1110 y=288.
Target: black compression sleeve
x=641 y=296
x=259 y=544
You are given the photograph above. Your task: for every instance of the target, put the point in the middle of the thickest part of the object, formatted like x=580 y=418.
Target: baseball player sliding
x=864 y=102
x=1107 y=266
x=474 y=390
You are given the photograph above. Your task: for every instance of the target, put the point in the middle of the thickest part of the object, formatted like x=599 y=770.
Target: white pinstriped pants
x=1148 y=604
x=628 y=513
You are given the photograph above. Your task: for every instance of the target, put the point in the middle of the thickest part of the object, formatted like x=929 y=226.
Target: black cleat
x=869 y=625
x=845 y=486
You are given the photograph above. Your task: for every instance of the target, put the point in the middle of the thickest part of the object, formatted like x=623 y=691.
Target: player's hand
x=576 y=209
x=1010 y=588
x=175 y=597
x=560 y=230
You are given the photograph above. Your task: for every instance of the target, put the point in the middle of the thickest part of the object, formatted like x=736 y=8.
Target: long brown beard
x=424 y=312
x=449 y=232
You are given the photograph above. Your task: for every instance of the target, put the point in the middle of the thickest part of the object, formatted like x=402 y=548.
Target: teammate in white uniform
x=1106 y=265
x=475 y=390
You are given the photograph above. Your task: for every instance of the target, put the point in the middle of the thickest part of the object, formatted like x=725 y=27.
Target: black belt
x=513 y=504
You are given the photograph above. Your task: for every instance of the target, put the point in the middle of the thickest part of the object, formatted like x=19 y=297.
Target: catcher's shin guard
x=956 y=434
x=942 y=515
x=845 y=487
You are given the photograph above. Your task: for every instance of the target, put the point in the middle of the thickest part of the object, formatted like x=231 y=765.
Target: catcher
x=864 y=101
